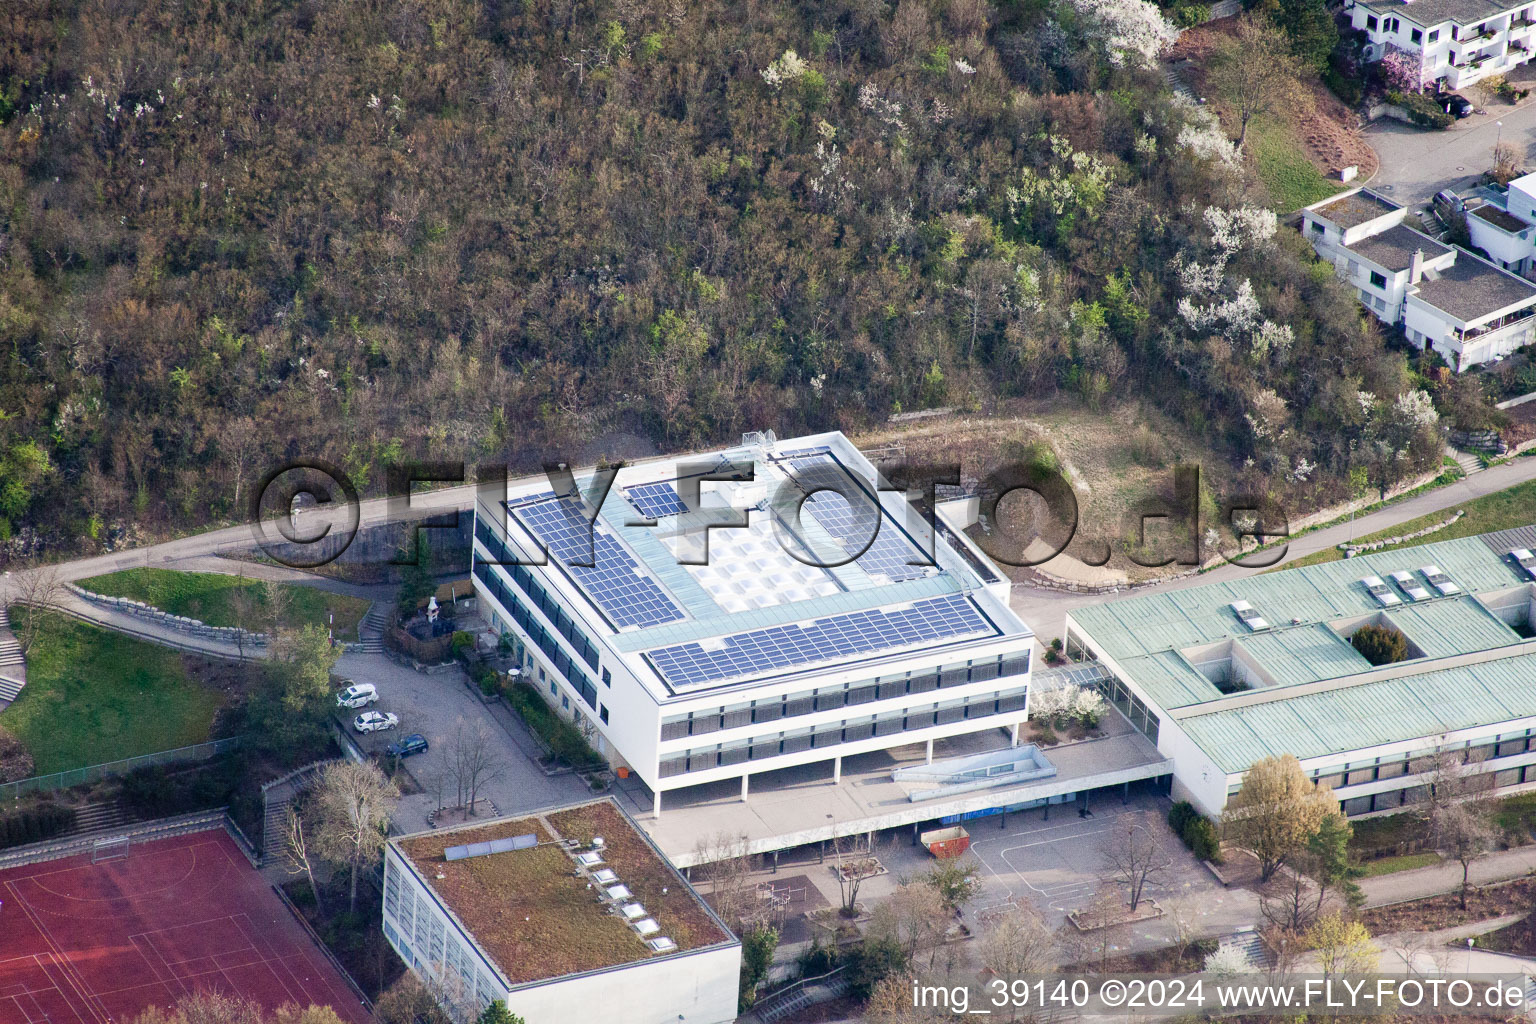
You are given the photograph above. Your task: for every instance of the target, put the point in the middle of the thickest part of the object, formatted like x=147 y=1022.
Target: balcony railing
x=1503 y=323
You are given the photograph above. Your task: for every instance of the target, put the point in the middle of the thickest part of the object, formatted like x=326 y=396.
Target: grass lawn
x=1501 y=510
x=1407 y=862
x=206 y=596
x=94 y=696
x=1281 y=161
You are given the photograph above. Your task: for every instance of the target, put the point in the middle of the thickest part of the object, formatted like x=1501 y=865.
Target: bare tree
x=297 y=853
x=1097 y=933
x=473 y=761
x=242 y=610
x=1018 y=943
x=408 y=1001
x=915 y=918
x=1253 y=72
x=723 y=861
x=15 y=760
x=1134 y=858
x=240 y=443
x=37 y=589
x=276 y=601
x=852 y=865
x=353 y=802
x=1464 y=832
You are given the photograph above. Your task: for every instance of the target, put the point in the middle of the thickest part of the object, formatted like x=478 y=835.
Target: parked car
x=1449 y=205
x=1457 y=106
x=415 y=743
x=358 y=695
x=375 y=721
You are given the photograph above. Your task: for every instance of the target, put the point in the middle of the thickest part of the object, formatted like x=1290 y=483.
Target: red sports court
x=97 y=939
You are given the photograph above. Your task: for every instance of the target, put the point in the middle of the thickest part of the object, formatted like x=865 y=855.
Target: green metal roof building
x=1225 y=674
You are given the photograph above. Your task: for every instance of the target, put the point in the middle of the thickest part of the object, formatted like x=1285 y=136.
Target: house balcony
x=1519 y=321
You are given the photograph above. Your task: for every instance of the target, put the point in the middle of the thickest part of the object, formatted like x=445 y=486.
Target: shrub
x=1180 y=815
x=564 y=742
x=871 y=962
x=462 y=642
x=1380 y=645
x=35 y=824
x=1197 y=831
x=1422 y=110
x=488 y=683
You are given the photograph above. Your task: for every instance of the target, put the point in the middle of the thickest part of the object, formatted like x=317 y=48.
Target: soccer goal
x=109 y=849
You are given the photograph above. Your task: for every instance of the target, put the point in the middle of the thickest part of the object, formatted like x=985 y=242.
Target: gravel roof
x=1355 y=208
x=1433 y=12
x=1394 y=248
x=1499 y=218
x=1470 y=288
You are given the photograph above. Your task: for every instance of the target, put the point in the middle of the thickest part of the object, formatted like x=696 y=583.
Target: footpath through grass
x=1501 y=510
x=1281 y=161
x=94 y=696
x=209 y=596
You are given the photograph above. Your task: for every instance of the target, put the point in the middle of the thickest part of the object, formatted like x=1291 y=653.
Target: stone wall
x=180 y=623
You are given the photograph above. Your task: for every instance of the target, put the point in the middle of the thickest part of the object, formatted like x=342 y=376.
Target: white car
x=358 y=695
x=375 y=721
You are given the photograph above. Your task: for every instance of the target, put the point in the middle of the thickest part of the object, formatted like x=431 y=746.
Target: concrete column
x=656 y=804
x=1015 y=735
x=930 y=750
x=744 y=788
x=837 y=770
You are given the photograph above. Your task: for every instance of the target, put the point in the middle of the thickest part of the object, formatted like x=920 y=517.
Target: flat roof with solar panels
x=515 y=907
x=1221 y=693
x=789 y=578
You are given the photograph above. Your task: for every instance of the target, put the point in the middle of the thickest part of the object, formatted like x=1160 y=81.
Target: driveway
x=433 y=705
x=1415 y=164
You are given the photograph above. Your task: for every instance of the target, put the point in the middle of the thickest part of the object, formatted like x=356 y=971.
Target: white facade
x=606 y=678
x=694 y=985
x=1456 y=44
x=1467 y=309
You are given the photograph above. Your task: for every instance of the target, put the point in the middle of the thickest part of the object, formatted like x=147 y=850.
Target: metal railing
x=97 y=772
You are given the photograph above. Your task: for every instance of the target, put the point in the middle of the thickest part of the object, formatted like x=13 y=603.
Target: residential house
x=1457 y=42
x=1466 y=308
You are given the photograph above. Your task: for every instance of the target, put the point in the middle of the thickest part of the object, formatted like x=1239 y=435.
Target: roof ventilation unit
x=1249 y=616
x=506 y=845
x=1380 y=591
x=1409 y=585
x=1439 y=580
x=1525 y=560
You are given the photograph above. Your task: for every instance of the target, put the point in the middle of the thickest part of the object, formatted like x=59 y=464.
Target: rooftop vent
x=1525 y=560
x=1249 y=616
x=590 y=859
x=647 y=926
x=597 y=842
x=606 y=876
x=1410 y=585
x=1439 y=580
x=1380 y=591
x=661 y=944
x=508 y=844
x=618 y=892
x=632 y=911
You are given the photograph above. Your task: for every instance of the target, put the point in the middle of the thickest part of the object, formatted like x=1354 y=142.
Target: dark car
x=1457 y=106
x=415 y=743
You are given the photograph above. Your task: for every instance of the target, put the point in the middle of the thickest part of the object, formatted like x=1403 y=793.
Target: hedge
x=1196 y=830
x=34 y=824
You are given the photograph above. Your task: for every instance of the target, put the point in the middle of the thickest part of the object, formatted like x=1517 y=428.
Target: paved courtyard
x=433 y=705
x=1415 y=164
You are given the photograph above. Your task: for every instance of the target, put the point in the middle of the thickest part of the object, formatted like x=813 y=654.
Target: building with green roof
x=1223 y=675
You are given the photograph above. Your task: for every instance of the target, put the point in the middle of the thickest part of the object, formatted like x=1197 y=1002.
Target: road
x=1046 y=610
x=1415 y=164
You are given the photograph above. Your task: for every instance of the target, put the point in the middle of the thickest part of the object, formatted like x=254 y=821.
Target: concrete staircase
x=13 y=668
x=93 y=818
x=370 y=632
x=1173 y=74
x=1469 y=462
x=1252 y=946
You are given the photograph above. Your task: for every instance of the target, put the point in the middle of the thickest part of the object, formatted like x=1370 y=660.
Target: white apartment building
x=795 y=642
x=1457 y=41
x=1222 y=675
x=561 y=914
x=1443 y=297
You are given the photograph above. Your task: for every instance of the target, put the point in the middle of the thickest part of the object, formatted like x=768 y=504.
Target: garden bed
x=1445 y=911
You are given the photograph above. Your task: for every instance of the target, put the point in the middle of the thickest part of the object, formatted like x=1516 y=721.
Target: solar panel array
x=616 y=583
x=887 y=555
x=691 y=664
x=655 y=500
x=506 y=845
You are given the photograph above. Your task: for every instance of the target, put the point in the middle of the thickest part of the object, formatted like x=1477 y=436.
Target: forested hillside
x=233 y=230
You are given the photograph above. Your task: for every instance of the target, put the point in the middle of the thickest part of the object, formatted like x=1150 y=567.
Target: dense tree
x=1380 y=645
x=206 y=1007
x=1275 y=813
x=236 y=234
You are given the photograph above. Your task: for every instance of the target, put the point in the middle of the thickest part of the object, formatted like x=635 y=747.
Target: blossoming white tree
x=1132 y=32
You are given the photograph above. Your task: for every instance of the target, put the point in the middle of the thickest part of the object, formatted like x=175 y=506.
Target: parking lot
x=1415 y=164
x=433 y=705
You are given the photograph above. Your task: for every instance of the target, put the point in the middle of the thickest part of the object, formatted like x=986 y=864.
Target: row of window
x=1399 y=765
x=540 y=636
x=536 y=593
x=827 y=698
x=848 y=731
x=1396 y=798
x=418 y=932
